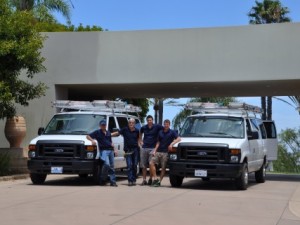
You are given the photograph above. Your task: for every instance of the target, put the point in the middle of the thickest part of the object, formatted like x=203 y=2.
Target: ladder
x=96 y=106
x=233 y=108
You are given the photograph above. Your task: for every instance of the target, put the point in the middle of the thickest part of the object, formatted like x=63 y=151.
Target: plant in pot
x=20 y=60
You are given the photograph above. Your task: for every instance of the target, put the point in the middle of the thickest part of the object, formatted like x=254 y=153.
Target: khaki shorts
x=145 y=157
x=160 y=158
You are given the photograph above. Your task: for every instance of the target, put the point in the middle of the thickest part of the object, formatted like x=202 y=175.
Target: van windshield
x=73 y=124
x=220 y=127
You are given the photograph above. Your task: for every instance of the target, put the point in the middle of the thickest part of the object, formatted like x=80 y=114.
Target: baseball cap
x=102 y=122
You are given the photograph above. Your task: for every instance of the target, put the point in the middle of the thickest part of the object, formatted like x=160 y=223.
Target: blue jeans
x=107 y=156
x=132 y=162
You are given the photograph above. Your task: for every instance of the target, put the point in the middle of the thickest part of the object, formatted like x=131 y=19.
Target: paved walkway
x=71 y=200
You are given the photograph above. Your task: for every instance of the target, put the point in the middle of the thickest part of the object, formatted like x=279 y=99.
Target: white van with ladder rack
x=223 y=142
x=62 y=147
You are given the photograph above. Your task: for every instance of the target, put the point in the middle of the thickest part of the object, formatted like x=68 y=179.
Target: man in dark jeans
x=103 y=138
x=131 y=148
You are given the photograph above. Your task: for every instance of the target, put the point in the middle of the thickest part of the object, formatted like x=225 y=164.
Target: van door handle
x=118 y=147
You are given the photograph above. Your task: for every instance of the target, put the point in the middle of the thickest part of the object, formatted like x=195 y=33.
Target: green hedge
x=4 y=164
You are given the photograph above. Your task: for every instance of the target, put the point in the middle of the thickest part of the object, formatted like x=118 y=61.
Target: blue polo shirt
x=165 y=139
x=130 y=138
x=150 y=135
x=104 y=140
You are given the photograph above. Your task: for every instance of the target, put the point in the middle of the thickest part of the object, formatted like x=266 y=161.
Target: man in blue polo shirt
x=150 y=132
x=166 y=139
x=103 y=138
x=131 y=136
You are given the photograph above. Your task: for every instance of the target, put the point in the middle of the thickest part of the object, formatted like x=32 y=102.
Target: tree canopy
x=20 y=46
x=288 y=152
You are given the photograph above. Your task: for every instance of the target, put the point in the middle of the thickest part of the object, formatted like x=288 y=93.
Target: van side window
x=123 y=122
x=270 y=129
x=262 y=131
x=111 y=124
x=137 y=124
x=248 y=127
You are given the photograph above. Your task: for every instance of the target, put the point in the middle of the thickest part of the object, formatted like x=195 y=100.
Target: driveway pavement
x=76 y=201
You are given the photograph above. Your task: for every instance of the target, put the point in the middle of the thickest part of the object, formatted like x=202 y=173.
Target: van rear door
x=271 y=142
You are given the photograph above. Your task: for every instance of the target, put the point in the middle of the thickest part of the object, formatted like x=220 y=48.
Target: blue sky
x=126 y=15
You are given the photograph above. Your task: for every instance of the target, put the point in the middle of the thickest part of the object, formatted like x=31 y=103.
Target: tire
x=96 y=173
x=138 y=171
x=176 y=181
x=241 y=182
x=37 y=178
x=260 y=175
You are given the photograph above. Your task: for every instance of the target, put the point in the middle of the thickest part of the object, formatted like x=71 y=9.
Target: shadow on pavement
x=75 y=180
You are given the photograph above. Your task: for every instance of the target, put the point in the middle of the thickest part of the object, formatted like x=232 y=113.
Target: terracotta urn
x=15 y=131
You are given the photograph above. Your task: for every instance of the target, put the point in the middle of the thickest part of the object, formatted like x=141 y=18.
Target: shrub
x=4 y=164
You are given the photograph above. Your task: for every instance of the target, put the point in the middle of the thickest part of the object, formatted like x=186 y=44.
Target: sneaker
x=130 y=183
x=144 y=183
x=150 y=181
x=157 y=184
x=113 y=185
x=133 y=183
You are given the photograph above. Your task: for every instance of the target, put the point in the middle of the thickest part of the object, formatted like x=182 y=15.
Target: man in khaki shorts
x=166 y=139
x=148 y=144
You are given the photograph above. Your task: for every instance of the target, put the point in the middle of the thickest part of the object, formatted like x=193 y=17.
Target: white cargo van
x=62 y=147
x=223 y=142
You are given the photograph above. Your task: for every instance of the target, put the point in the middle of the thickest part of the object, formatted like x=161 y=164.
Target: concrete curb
x=294 y=203
x=14 y=177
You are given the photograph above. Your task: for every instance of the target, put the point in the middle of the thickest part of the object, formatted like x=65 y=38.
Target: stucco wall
x=204 y=55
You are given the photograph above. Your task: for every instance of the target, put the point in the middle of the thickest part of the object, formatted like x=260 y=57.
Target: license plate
x=56 y=170
x=200 y=173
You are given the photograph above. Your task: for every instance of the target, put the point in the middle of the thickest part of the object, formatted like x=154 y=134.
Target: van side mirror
x=41 y=130
x=253 y=135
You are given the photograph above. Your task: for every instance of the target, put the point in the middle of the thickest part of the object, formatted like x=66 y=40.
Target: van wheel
x=176 y=181
x=37 y=178
x=260 y=175
x=138 y=171
x=241 y=182
x=96 y=173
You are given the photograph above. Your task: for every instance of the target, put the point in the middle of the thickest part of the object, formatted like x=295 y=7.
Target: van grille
x=203 y=152
x=60 y=149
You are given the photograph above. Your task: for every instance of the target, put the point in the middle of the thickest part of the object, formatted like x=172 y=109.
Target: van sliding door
x=271 y=143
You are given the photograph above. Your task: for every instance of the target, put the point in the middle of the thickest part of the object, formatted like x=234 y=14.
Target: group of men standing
x=150 y=145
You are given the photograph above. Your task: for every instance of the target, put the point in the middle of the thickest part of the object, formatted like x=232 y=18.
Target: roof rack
x=232 y=108
x=97 y=105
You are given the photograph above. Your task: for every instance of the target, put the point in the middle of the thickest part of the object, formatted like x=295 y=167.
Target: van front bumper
x=67 y=167
x=190 y=169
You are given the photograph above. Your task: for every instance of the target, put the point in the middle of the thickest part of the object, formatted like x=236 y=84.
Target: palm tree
x=296 y=101
x=44 y=6
x=158 y=107
x=268 y=11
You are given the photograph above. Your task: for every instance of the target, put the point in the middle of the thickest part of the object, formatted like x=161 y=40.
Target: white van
x=62 y=147
x=223 y=142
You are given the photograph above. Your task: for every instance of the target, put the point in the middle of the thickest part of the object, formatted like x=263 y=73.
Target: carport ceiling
x=197 y=89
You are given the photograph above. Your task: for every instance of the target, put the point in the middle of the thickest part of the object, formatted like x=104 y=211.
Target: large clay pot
x=15 y=131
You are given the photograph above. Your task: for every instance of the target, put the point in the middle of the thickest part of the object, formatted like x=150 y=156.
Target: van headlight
x=173 y=157
x=90 y=155
x=31 y=154
x=235 y=155
x=234 y=159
